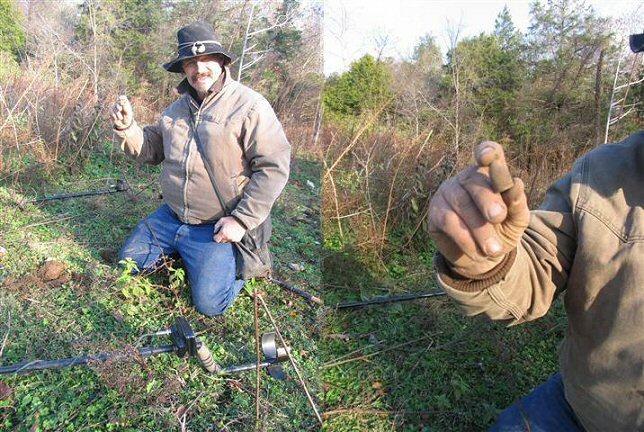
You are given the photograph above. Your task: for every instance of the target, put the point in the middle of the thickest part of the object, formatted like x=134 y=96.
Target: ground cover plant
x=394 y=130
x=63 y=295
x=420 y=365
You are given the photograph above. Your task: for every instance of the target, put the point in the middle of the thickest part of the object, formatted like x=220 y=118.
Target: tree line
x=544 y=94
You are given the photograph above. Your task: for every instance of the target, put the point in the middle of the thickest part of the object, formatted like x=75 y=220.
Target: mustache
x=203 y=75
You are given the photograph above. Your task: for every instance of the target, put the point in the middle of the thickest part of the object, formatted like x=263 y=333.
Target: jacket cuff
x=475 y=283
x=246 y=221
x=124 y=132
x=239 y=221
x=123 y=129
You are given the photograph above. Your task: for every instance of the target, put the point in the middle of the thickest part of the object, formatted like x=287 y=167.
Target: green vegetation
x=12 y=35
x=96 y=307
x=421 y=365
x=364 y=87
x=454 y=374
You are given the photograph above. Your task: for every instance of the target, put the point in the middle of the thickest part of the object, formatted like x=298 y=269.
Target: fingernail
x=492 y=246
x=494 y=211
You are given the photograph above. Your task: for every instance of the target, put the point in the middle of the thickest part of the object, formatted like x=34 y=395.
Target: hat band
x=197 y=48
x=185 y=44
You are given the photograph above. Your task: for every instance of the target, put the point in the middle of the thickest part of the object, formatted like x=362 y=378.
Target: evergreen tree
x=504 y=29
x=365 y=86
x=12 y=36
x=127 y=32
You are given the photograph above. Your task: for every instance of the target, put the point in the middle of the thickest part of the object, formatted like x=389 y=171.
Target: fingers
x=478 y=227
x=221 y=232
x=124 y=102
x=123 y=106
x=117 y=112
x=517 y=203
x=446 y=223
x=479 y=213
x=490 y=154
x=477 y=184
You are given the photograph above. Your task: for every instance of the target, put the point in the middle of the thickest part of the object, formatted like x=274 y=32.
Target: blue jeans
x=210 y=266
x=543 y=410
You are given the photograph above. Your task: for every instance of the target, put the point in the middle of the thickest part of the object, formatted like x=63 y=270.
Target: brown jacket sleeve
x=523 y=287
x=269 y=152
x=144 y=145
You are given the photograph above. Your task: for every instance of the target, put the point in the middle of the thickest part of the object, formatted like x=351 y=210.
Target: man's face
x=203 y=71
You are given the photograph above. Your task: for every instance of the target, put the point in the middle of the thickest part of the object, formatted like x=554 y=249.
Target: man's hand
x=122 y=114
x=478 y=216
x=228 y=230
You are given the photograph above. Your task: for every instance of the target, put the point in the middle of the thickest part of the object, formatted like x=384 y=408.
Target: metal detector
x=184 y=342
x=120 y=185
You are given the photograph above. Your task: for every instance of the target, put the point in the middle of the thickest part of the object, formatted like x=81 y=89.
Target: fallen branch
x=374 y=412
x=366 y=356
x=308 y=296
x=6 y=336
x=257 y=367
x=290 y=358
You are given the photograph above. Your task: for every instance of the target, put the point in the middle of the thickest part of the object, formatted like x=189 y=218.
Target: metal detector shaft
x=243 y=368
x=76 y=361
x=74 y=195
x=385 y=300
x=121 y=186
x=308 y=296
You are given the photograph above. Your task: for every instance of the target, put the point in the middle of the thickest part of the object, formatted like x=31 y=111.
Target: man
x=586 y=242
x=225 y=161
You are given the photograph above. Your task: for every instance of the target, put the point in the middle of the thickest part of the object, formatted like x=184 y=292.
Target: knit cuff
x=474 y=283
x=123 y=129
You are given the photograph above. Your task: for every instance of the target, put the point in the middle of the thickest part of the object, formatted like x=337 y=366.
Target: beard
x=202 y=82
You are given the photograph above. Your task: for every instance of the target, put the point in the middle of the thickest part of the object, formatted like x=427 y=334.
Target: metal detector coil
x=273 y=356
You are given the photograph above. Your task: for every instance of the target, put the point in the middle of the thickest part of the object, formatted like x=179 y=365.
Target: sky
x=353 y=28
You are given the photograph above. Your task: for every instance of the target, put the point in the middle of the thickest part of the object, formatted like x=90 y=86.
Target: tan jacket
x=245 y=143
x=587 y=242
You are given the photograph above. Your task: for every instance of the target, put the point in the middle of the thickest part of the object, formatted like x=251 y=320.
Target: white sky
x=353 y=28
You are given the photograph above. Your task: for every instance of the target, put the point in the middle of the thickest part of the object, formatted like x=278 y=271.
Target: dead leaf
x=296 y=267
x=180 y=411
x=36 y=425
x=5 y=391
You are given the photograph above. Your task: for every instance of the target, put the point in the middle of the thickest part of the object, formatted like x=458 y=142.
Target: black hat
x=194 y=40
x=637 y=42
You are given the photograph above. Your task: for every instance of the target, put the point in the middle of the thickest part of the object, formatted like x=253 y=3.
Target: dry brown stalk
x=366 y=356
x=290 y=358
x=335 y=200
x=258 y=423
x=374 y=412
x=370 y=120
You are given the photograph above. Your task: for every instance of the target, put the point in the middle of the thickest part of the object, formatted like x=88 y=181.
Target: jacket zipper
x=187 y=160
x=187 y=167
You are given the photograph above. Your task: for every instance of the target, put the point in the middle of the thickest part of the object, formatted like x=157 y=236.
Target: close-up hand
x=228 y=230
x=478 y=216
x=122 y=114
